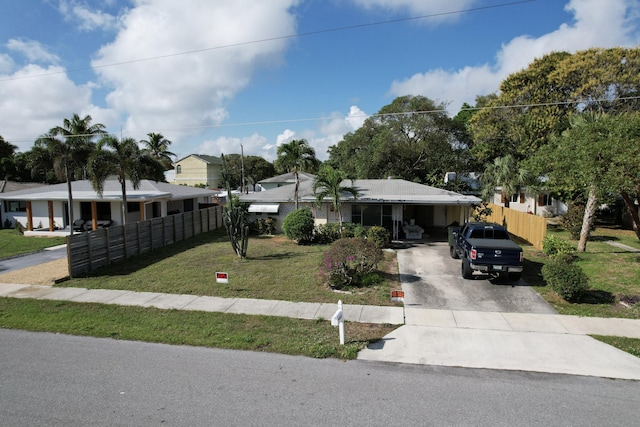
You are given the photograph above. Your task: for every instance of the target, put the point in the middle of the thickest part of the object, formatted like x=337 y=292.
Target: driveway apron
x=431 y=279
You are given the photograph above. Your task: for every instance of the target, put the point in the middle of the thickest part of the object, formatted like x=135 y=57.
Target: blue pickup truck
x=486 y=247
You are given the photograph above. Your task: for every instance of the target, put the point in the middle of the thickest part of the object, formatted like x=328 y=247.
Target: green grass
x=275 y=268
x=313 y=338
x=13 y=243
x=613 y=273
x=630 y=345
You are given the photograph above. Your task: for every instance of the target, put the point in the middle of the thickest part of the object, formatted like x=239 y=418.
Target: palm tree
x=157 y=146
x=70 y=146
x=329 y=182
x=124 y=159
x=296 y=156
x=504 y=173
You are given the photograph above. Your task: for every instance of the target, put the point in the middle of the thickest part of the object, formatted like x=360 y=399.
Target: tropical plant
x=123 y=159
x=504 y=173
x=329 y=183
x=299 y=225
x=234 y=218
x=348 y=261
x=157 y=147
x=69 y=147
x=296 y=156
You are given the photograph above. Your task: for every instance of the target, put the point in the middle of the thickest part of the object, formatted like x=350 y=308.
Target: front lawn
x=614 y=275
x=13 y=243
x=275 y=268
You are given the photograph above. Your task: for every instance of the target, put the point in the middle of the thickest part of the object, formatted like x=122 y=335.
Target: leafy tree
x=7 y=159
x=157 y=147
x=234 y=217
x=255 y=169
x=69 y=147
x=296 y=156
x=328 y=183
x=411 y=138
x=124 y=159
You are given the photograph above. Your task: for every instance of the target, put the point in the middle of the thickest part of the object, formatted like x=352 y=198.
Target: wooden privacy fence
x=93 y=249
x=531 y=228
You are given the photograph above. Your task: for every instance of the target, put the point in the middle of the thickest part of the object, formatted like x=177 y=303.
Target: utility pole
x=242 y=167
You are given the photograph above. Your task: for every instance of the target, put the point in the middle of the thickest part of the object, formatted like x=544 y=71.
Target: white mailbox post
x=338 y=320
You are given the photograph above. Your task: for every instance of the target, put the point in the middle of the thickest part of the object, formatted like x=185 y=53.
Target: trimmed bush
x=327 y=233
x=299 y=225
x=264 y=226
x=349 y=261
x=565 y=277
x=350 y=229
x=572 y=220
x=554 y=245
x=379 y=236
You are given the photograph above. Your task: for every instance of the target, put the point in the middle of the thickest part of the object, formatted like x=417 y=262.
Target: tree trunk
x=297 y=184
x=587 y=221
x=633 y=212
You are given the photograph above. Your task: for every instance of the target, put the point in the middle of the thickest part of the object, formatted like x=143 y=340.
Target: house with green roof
x=198 y=170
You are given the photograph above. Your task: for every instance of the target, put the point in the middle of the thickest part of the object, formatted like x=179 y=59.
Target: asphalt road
x=60 y=380
x=24 y=261
x=432 y=279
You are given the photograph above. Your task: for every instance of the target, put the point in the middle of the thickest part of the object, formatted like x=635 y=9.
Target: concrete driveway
x=431 y=279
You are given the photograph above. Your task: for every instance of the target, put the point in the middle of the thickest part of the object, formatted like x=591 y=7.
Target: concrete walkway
x=511 y=341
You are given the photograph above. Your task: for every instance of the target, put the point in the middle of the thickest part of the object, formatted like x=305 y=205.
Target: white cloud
x=30 y=106
x=250 y=145
x=442 y=10
x=32 y=50
x=596 y=24
x=188 y=92
x=85 y=18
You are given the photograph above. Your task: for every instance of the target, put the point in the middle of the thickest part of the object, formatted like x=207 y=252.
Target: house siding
x=195 y=171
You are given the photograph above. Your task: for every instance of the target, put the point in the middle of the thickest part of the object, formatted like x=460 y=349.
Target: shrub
x=572 y=220
x=298 y=225
x=379 y=236
x=554 y=245
x=327 y=233
x=349 y=260
x=19 y=227
x=350 y=229
x=264 y=226
x=565 y=278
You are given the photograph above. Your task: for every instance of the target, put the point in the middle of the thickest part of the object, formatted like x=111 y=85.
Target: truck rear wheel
x=453 y=253
x=467 y=272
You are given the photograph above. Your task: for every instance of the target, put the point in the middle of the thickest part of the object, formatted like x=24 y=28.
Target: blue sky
x=214 y=75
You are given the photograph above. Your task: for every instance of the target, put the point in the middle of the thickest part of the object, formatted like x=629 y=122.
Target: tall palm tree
x=122 y=158
x=296 y=156
x=70 y=146
x=505 y=173
x=157 y=146
x=329 y=183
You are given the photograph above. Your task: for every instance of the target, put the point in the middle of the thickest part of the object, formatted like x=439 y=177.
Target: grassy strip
x=13 y=243
x=312 y=338
x=612 y=272
x=630 y=345
x=275 y=268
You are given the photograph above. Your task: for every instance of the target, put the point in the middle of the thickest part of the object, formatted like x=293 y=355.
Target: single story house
x=46 y=207
x=284 y=179
x=538 y=203
x=398 y=205
x=198 y=169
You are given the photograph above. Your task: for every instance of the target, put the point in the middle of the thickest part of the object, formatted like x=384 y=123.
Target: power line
x=377 y=115
x=270 y=39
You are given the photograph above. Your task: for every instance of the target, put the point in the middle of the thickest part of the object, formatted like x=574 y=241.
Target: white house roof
x=83 y=191
x=396 y=191
x=288 y=178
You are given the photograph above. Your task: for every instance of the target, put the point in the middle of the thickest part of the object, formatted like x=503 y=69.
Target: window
x=16 y=206
x=133 y=207
x=178 y=169
x=515 y=198
x=545 y=200
x=370 y=215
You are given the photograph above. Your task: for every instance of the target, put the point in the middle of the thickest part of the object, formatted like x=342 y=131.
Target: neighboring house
x=7 y=208
x=46 y=207
x=285 y=179
x=198 y=169
x=468 y=182
x=539 y=203
x=391 y=203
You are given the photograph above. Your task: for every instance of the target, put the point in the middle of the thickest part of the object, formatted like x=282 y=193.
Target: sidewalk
x=509 y=341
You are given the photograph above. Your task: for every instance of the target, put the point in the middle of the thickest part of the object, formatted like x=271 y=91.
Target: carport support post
x=338 y=320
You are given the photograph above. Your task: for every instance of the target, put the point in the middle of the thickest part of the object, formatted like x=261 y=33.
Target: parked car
x=486 y=247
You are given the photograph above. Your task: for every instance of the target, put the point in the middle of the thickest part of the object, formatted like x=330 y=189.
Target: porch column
x=94 y=215
x=51 y=222
x=29 y=216
x=142 y=211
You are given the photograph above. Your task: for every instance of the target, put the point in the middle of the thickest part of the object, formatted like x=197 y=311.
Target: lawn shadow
x=283 y=255
x=595 y=296
x=603 y=238
x=532 y=273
